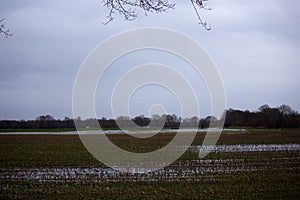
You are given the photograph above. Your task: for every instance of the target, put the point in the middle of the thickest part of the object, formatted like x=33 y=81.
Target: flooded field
x=246 y=148
x=140 y=131
x=181 y=169
x=176 y=172
x=59 y=167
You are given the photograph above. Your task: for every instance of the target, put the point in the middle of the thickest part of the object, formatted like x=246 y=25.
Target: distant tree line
x=266 y=117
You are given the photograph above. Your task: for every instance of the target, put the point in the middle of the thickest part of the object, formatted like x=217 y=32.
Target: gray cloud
x=255 y=46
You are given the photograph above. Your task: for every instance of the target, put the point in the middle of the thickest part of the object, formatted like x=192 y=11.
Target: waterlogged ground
x=188 y=169
x=251 y=165
x=132 y=131
x=246 y=148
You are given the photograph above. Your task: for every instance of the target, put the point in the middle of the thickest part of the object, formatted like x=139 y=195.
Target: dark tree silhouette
x=264 y=108
x=267 y=117
x=127 y=8
x=3 y=29
x=45 y=118
x=285 y=110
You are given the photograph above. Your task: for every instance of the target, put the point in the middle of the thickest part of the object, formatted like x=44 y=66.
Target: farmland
x=250 y=164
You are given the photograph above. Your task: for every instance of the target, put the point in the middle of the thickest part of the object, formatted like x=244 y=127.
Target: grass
x=276 y=174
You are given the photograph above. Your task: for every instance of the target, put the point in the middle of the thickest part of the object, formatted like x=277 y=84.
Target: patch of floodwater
x=188 y=169
x=245 y=148
x=110 y=175
x=141 y=131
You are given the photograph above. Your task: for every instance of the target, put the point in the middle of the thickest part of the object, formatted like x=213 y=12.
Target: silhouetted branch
x=127 y=8
x=3 y=29
x=200 y=4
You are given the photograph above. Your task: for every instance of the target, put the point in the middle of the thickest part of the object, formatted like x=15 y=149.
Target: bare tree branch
x=200 y=4
x=127 y=8
x=3 y=29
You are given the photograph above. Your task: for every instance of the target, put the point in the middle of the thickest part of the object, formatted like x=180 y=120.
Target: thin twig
x=200 y=4
x=3 y=29
x=127 y=8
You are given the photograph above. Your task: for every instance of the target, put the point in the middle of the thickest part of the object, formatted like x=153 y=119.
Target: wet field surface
x=241 y=166
x=178 y=170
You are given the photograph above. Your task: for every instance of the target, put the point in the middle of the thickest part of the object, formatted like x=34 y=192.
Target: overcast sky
x=255 y=45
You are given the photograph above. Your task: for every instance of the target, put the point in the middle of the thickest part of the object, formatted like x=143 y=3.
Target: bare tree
x=3 y=29
x=45 y=118
x=285 y=110
x=127 y=8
